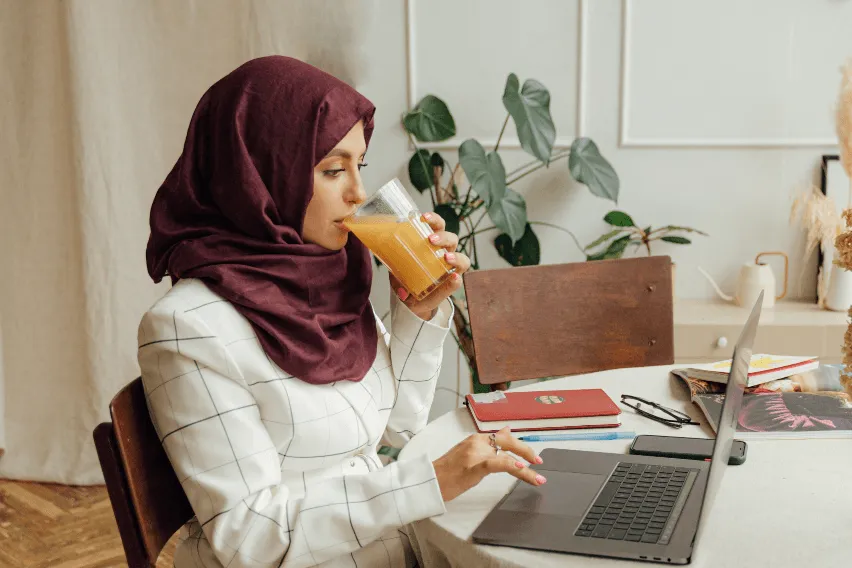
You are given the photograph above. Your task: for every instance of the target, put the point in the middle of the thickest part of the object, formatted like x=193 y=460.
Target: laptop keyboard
x=639 y=503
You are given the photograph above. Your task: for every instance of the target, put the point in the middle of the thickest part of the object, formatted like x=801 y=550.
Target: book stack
x=786 y=397
x=524 y=411
x=762 y=368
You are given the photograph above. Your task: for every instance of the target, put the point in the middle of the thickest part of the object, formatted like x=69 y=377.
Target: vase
x=839 y=295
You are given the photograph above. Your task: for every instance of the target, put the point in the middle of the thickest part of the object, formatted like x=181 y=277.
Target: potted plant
x=626 y=235
x=820 y=218
x=488 y=193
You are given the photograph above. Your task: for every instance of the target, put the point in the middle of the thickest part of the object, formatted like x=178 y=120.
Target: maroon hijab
x=231 y=211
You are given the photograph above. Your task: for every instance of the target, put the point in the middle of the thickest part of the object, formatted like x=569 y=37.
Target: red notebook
x=543 y=410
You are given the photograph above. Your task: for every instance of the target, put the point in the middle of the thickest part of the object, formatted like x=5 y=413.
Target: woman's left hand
x=426 y=308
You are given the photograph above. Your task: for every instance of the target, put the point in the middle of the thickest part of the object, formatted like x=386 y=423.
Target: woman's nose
x=357 y=194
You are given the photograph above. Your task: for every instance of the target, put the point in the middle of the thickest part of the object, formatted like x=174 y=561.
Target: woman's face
x=337 y=192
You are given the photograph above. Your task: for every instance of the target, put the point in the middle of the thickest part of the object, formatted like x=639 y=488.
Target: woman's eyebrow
x=340 y=152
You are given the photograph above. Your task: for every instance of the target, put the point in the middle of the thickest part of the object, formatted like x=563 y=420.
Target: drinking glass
x=390 y=225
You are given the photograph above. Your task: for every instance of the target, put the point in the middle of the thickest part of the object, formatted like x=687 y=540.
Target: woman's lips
x=341 y=226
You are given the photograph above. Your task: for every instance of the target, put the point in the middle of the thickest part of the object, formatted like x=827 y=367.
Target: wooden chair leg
x=119 y=496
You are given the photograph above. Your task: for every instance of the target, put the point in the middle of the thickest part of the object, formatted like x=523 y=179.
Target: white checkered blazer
x=280 y=472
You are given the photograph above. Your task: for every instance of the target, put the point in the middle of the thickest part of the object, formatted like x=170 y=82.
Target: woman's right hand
x=474 y=457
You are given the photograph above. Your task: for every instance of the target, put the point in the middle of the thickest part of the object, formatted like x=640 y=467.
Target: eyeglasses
x=658 y=412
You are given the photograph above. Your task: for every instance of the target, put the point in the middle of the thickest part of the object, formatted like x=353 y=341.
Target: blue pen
x=578 y=436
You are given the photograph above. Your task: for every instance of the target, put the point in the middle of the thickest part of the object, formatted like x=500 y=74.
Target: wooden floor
x=59 y=526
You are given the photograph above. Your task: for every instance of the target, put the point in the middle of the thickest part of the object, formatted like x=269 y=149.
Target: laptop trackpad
x=566 y=494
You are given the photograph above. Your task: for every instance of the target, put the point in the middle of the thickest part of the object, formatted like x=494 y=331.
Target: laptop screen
x=727 y=427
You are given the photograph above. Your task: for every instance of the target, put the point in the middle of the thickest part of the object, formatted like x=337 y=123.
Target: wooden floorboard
x=45 y=525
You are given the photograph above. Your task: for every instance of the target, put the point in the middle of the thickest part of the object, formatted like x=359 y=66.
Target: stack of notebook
x=543 y=410
x=763 y=368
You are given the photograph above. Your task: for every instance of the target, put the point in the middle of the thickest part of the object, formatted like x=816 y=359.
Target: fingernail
x=450 y=257
x=402 y=293
x=519 y=465
x=434 y=238
x=540 y=479
x=538 y=460
x=456 y=276
x=427 y=216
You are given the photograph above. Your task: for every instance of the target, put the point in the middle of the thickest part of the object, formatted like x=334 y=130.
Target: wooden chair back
x=566 y=319
x=147 y=499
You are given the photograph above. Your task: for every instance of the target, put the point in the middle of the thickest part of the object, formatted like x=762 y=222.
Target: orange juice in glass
x=389 y=224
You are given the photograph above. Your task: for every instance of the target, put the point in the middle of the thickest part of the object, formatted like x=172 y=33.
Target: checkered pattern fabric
x=279 y=472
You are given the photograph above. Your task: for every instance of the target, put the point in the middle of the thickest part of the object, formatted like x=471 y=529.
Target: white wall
x=714 y=114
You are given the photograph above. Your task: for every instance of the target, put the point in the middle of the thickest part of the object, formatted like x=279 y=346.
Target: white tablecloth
x=788 y=506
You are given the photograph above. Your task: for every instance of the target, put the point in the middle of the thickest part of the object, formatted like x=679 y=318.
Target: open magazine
x=812 y=404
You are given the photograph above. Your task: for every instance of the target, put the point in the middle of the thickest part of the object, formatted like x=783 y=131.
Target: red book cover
x=543 y=410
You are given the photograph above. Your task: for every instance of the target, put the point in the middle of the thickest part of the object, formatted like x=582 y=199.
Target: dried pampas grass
x=843 y=119
x=817 y=213
x=819 y=218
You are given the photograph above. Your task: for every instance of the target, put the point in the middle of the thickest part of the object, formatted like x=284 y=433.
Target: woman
x=269 y=379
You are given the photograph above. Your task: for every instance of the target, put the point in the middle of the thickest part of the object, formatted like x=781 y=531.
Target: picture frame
x=834 y=183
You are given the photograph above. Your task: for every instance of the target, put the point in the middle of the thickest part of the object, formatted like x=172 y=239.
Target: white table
x=788 y=506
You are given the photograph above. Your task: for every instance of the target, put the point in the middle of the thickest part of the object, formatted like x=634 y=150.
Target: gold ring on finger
x=492 y=440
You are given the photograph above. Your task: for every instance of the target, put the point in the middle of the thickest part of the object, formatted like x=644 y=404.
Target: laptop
x=623 y=506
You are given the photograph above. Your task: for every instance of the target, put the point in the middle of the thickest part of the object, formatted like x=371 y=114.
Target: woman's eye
x=333 y=173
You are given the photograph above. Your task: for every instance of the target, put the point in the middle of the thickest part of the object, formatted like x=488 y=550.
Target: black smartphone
x=685 y=448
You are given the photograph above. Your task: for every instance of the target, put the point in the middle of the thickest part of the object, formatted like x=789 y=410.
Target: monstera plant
x=488 y=193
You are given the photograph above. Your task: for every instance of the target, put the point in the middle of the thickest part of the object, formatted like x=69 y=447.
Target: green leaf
x=530 y=109
x=436 y=161
x=616 y=247
x=510 y=214
x=486 y=173
x=419 y=171
x=676 y=240
x=603 y=238
x=647 y=229
x=525 y=252
x=619 y=219
x=685 y=229
x=446 y=211
x=589 y=167
x=430 y=120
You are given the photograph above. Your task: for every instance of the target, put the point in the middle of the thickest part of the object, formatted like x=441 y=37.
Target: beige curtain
x=95 y=99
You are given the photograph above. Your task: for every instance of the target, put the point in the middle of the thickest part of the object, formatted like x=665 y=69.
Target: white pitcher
x=754 y=278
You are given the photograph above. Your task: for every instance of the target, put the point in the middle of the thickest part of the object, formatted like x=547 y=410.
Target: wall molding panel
x=508 y=141
x=629 y=139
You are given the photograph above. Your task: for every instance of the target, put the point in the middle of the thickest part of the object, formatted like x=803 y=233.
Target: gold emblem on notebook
x=549 y=399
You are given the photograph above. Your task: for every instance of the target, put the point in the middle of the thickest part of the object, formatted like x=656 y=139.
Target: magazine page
x=786 y=413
